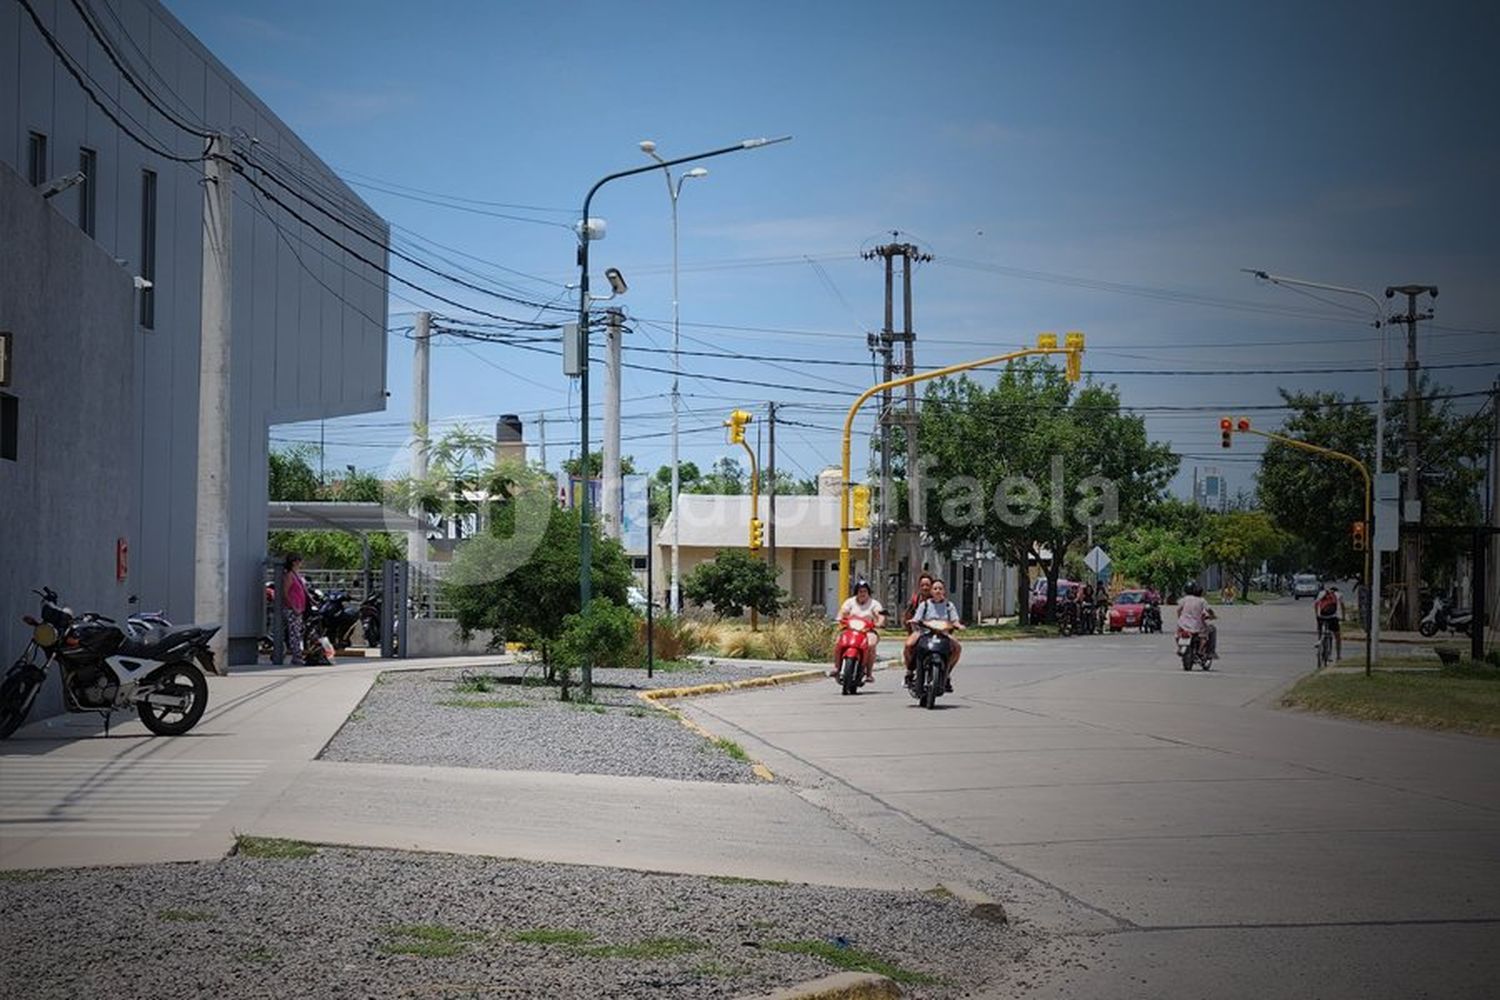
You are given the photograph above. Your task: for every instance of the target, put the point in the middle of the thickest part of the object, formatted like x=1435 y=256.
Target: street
x=1168 y=834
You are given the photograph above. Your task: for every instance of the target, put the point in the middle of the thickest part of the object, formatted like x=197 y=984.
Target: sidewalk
x=71 y=797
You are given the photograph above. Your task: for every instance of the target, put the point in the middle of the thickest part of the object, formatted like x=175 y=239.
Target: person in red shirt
x=924 y=591
x=294 y=605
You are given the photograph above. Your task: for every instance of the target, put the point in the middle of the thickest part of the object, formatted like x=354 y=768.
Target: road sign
x=1387 y=536
x=1096 y=560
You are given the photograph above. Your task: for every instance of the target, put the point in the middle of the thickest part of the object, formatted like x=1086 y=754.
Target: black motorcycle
x=1067 y=618
x=369 y=619
x=335 y=618
x=158 y=672
x=934 y=651
x=1151 y=618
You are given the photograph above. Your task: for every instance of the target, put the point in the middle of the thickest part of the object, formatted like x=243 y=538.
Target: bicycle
x=1325 y=645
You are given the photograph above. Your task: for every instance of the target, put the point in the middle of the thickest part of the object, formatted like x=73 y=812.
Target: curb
x=982 y=906
x=659 y=694
x=843 y=986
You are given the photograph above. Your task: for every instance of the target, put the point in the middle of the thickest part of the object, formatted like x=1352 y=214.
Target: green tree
x=527 y=595
x=1027 y=465
x=463 y=484
x=733 y=581
x=1241 y=541
x=291 y=474
x=292 y=480
x=1158 y=557
x=596 y=465
x=604 y=635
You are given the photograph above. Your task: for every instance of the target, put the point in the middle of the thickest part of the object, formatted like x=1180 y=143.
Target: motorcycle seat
x=158 y=641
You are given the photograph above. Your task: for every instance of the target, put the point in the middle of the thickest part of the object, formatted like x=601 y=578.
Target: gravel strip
x=359 y=923
x=431 y=717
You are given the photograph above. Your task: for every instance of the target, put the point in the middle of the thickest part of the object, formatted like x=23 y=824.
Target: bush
x=674 y=637
x=604 y=635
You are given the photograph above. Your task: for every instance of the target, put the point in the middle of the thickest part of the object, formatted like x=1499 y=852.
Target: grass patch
x=736 y=880
x=651 y=948
x=553 y=935
x=475 y=684
x=184 y=916
x=941 y=892
x=733 y=749
x=676 y=666
x=587 y=706
x=853 y=960
x=24 y=875
x=483 y=703
x=1010 y=631
x=427 y=940
x=260 y=954
x=1461 y=698
x=273 y=847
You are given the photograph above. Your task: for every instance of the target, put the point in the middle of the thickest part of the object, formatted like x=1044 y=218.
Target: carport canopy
x=352 y=517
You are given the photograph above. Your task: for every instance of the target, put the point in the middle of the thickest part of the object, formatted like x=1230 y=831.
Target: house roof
x=802 y=522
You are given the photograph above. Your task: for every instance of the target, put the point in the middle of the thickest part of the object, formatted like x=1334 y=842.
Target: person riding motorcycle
x=924 y=591
x=1195 y=616
x=1328 y=609
x=862 y=605
x=938 y=608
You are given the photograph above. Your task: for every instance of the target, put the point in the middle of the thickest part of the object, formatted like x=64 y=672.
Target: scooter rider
x=938 y=608
x=924 y=591
x=862 y=605
x=1194 y=615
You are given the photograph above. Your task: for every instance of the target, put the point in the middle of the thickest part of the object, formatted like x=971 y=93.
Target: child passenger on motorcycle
x=862 y=605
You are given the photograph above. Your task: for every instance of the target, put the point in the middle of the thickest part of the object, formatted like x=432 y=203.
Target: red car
x=1066 y=590
x=1127 y=609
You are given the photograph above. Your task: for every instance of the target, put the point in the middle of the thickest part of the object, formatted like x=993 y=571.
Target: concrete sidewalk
x=72 y=797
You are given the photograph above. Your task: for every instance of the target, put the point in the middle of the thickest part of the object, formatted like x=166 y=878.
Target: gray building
x=100 y=293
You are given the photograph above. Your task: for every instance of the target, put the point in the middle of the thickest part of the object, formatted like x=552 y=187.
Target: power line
x=129 y=77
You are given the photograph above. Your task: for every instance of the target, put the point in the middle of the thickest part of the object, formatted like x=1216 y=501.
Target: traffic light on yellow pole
x=859 y=495
x=1357 y=535
x=757 y=534
x=1073 y=343
x=736 y=424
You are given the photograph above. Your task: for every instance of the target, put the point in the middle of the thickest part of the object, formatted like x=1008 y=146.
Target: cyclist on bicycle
x=1328 y=608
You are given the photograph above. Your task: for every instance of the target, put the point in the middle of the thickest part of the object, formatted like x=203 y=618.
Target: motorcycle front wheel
x=17 y=692
x=179 y=680
x=849 y=672
x=1428 y=629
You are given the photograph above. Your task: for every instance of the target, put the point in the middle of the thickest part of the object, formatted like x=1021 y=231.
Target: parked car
x=1305 y=585
x=1127 y=610
x=1066 y=591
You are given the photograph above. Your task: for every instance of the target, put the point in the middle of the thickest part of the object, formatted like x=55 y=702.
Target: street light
x=674 y=190
x=1373 y=633
x=586 y=229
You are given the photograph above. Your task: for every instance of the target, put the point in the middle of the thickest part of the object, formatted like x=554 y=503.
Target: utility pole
x=421 y=373
x=211 y=539
x=771 y=484
x=1411 y=555
x=907 y=539
x=610 y=495
x=1492 y=599
x=541 y=427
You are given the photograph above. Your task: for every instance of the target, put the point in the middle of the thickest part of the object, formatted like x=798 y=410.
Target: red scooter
x=854 y=640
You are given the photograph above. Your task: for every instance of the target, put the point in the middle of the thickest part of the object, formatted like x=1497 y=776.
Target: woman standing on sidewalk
x=294 y=605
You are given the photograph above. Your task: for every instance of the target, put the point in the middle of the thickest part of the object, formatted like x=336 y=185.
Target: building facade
x=111 y=101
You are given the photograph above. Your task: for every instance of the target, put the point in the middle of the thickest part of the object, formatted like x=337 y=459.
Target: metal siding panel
x=34 y=92
x=10 y=84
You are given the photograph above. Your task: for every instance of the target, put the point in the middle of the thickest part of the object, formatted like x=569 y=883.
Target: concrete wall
x=67 y=305
x=309 y=318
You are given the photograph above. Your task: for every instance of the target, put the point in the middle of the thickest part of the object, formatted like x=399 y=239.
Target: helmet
x=1195 y=588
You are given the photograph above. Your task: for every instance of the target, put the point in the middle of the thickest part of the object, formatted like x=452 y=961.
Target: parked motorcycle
x=1192 y=649
x=1067 y=618
x=106 y=668
x=335 y=616
x=1440 y=619
x=369 y=619
x=854 y=639
x=933 y=653
x=1151 y=618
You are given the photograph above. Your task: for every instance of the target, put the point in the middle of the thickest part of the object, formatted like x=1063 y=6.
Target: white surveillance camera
x=616 y=280
x=142 y=283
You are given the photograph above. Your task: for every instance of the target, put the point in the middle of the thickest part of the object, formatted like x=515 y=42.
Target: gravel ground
x=432 y=717
x=356 y=923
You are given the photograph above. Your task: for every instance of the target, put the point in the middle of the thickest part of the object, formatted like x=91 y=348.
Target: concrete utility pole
x=211 y=539
x=541 y=429
x=771 y=484
x=1411 y=554
x=907 y=539
x=1492 y=601
x=611 y=493
x=421 y=373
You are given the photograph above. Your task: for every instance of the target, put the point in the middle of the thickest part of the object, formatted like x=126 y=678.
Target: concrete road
x=1168 y=834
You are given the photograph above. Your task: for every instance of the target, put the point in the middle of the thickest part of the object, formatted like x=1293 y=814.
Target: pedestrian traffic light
x=736 y=424
x=859 y=498
x=1225 y=430
x=1357 y=535
x=757 y=534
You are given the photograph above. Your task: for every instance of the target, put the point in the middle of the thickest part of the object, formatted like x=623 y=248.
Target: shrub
x=779 y=641
x=674 y=637
x=604 y=635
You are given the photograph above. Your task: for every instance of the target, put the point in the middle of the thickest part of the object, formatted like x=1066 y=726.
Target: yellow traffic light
x=757 y=534
x=1357 y=535
x=859 y=497
x=736 y=424
x=1046 y=341
x=1225 y=431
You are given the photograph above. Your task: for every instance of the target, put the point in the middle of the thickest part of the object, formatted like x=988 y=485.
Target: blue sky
x=1045 y=155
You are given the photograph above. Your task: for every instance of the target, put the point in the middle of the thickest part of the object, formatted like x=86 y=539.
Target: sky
x=1100 y=167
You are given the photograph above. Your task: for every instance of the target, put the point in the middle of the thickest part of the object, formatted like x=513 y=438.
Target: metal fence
x=426 y=596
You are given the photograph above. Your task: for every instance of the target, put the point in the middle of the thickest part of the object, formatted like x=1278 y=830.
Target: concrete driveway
x=1169 y=834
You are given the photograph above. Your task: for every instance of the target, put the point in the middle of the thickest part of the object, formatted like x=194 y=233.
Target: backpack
x=1326 y=605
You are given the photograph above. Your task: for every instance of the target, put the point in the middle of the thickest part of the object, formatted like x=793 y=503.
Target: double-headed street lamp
x=674 y=190
x=585 y=234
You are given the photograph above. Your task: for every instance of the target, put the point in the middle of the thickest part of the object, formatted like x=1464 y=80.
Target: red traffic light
x=1244 y=423
x=1224 y=430
x=1225 y=424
